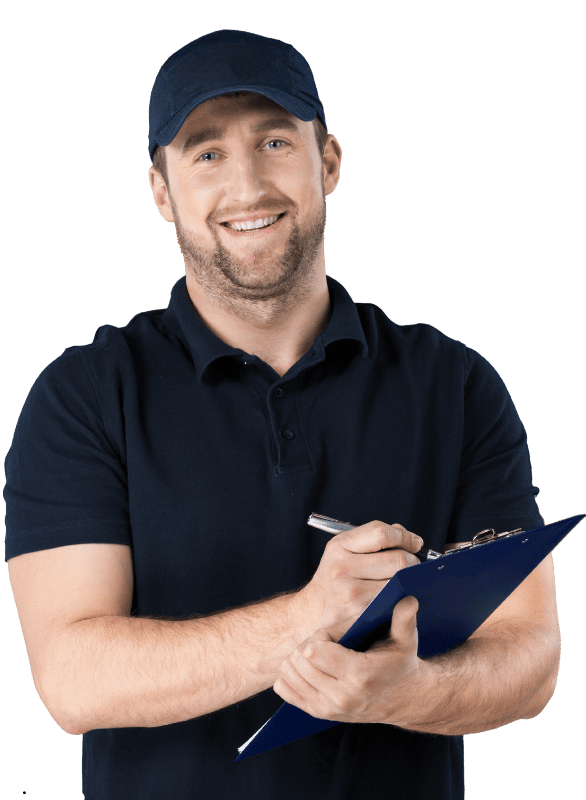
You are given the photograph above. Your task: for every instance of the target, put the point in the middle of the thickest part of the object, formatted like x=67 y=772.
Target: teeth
x=249 y=226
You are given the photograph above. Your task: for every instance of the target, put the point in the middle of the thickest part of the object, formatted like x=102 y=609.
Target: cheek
x=313 y=202
x=195 y=218
x=194 y=200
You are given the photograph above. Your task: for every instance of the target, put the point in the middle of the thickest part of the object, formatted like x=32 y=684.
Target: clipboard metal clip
x=487 y=535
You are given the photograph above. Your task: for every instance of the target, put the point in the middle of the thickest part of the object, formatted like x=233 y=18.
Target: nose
x=247 y=179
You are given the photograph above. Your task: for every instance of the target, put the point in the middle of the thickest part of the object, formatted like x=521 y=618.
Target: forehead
x=210 y=119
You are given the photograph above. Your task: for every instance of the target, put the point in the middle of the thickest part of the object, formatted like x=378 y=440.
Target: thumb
x=404 y=621
x=321 y=635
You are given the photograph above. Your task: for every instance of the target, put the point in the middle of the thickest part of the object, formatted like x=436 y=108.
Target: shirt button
x=278 y=392
x=288 y=434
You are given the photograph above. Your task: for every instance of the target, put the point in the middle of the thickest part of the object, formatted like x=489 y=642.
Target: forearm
x=500 y=675
x=116 y=672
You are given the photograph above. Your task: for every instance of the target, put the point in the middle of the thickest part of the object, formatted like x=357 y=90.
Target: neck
x=278 y=330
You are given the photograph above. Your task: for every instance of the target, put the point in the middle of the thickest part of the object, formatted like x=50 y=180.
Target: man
x=159 y=481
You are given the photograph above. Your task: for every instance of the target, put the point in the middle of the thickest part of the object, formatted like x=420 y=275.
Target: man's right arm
x=107 y=669
x=95 y=666
x=120 y=672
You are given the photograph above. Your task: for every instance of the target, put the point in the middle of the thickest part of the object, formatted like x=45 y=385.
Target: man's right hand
x=355 y=566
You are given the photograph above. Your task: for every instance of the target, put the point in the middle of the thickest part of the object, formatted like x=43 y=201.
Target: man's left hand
x=330 y=681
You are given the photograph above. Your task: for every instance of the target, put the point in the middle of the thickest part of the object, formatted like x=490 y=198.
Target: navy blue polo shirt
x=199 y=456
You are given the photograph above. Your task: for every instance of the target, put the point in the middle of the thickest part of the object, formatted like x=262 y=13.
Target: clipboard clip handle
x=487 y=535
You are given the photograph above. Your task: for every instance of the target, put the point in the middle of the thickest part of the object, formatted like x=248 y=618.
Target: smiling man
x=245 y=184
x=160 y=479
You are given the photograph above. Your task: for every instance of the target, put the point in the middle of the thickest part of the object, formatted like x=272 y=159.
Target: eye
x=210 y=153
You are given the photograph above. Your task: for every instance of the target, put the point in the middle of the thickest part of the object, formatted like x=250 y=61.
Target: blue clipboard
x=457 y=592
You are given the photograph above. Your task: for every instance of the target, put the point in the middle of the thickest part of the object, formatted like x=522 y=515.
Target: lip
x=254 y=234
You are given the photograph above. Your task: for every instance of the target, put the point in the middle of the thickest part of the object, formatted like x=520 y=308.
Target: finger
x=375 y=536
x=409 y=536
x=305 y=687
x=288 y=694
x=323 y=654
x=297 y=666
x=320 y=635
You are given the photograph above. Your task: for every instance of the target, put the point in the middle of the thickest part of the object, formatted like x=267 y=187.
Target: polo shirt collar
x=205 y=347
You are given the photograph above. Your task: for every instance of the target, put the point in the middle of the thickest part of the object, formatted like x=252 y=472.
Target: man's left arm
x=506 y=670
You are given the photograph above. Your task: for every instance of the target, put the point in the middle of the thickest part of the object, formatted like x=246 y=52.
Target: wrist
x=305 y=619
x=418 y=709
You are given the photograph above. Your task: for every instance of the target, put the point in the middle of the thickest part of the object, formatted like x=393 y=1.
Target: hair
x=160 y=161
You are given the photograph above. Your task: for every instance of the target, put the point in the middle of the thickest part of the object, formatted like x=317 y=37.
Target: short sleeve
x=495 y=488
x=65 y=482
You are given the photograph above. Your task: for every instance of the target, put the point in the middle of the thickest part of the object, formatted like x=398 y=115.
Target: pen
x=335 y=526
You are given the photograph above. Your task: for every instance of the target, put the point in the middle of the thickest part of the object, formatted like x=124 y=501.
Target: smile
x=254 y=232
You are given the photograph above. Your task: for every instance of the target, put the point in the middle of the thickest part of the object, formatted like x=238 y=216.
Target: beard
x=259 y=274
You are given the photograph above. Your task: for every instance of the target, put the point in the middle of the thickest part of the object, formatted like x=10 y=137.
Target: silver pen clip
x=329 y=524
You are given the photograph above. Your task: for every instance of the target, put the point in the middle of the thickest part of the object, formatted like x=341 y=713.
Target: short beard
x=228 y=284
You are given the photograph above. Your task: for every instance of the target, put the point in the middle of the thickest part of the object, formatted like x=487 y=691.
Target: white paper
x=241 y=748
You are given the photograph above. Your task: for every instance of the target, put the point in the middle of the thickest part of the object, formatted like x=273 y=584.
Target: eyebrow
x=209 y=134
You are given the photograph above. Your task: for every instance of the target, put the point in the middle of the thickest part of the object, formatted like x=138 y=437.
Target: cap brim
x=296 y=106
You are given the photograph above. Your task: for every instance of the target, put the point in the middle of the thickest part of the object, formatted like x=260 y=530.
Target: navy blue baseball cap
x=229 y=61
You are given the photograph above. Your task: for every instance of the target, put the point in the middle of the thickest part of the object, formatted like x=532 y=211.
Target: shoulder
x=112 y=351
x=417 y=343
x=87 y=381
x=115 y=343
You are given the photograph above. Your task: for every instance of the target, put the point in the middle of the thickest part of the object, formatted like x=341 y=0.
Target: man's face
x=240 y=172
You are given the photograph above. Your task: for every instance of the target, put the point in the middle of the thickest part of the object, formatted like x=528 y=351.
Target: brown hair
x=160 y=162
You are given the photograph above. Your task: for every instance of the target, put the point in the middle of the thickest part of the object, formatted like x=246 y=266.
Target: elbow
x=548 y=696
x=68 y=725
x=73 y=732
x=70 y=722
x=50 y=703
x=66 y=721
x=541 y=699
x=64 y=695
x=63 y=711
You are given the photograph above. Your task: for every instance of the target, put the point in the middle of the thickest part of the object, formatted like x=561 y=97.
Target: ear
x=161 y=194
x=332 y=160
